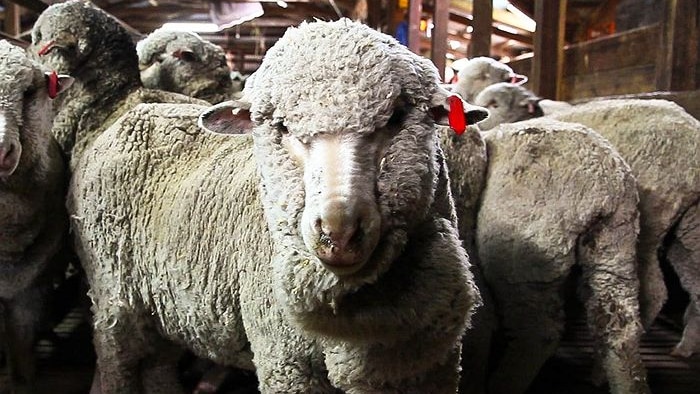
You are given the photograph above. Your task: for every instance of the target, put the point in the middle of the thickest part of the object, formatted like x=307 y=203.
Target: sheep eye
x=492 y=104
x=396 y=118
x=281 y=128
x=188 y=56
x=29 y=93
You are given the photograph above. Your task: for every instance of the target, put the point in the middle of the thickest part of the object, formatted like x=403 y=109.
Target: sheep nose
x=340 y=234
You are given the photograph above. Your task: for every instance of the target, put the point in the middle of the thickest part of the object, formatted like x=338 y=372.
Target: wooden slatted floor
x=66 y=362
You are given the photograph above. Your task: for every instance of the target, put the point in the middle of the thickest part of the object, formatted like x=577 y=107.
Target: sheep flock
x=363 y=228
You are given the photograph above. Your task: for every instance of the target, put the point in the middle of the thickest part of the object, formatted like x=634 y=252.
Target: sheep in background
x=183 y=62
x=480 y=72
x=81 y=40
x=360 y=283
x=660 y=142
x=32 y=212
x=557 y=196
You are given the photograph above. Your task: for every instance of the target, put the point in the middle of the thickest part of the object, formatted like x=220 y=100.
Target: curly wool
x=183 y=62
x=558 y=195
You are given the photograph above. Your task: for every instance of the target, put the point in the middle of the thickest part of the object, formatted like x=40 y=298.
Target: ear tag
x=456 y=118
x=46 y=48
x=53 y=85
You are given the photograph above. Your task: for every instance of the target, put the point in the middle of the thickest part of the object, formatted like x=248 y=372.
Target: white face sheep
x=345 y=272
x=183 y=62
x=81 y=40
x=660 y=141
x=32 y=212
x=480 y=72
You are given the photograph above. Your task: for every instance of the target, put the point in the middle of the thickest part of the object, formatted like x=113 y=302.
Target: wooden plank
x=12 y=25
x=34 y=5
x=678 y=49
x=637 y=79
x=631 y=48
x=439 y=35
x=548 y=60
x=414 y=14
x=480 y=44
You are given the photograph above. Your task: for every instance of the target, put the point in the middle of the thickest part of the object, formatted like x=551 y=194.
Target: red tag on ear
x=458 y=121
x=46 y=48
x=53 y=85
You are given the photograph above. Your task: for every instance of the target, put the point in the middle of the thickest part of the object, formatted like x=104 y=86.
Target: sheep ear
x=450 y=110
x=518 y=79
x=185 y=54
x=229 y=117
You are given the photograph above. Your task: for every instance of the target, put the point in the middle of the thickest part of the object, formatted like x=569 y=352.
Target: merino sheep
x=183 y=62
x=557 y=196
x=32 y=212
x=81 y=40
x=660 y=142
x=480 y=72
x=345 y=271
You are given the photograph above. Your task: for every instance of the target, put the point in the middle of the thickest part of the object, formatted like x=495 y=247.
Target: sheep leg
x=652 y=292
x=120 y=347
x=21 y=319
x=684 y=256
x=608 y=259
x=532 y=317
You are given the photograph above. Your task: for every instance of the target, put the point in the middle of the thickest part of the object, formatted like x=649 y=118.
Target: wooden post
x=414 y=11
x=480 y=43
x=441 y=17
x=677 y=57
x=548 y=60
x=12 y=23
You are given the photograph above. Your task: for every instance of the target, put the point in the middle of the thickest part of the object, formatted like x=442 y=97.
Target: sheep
x=480 y=72
x=32 y=213
x=79 y=39
x=556 y=197
x=183 y=62
x=663 y=156
x=335 y=261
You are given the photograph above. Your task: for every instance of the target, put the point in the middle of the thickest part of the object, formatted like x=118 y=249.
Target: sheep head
x=481 y=72
x=344 y=128
x=507 y=103
x=183 y=62
x=25 y=111
x=80 y=39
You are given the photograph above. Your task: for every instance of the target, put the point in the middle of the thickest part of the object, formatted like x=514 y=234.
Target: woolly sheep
x=183 y=62
x=480 y=72
x=32 y=213
x=660 y=142
x=558 y=196
x=359 y=284
x=81 y=40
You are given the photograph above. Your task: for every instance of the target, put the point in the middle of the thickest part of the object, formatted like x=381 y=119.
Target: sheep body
x=32 y=214
x=183 y=62
x=558 y=196
x=237 y=290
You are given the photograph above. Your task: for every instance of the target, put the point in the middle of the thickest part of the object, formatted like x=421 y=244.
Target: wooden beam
x=441 y=18
x=480 y=44
x=414 y=14
x=548 y=60
x=678 y=49
x=34 y=5
x=12 y=25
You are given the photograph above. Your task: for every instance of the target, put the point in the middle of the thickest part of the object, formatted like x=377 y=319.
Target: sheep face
x=507 y=103
x=481 y=72
x=76 y=37
x=345 y=140
x=183 y=62
x=25 y=116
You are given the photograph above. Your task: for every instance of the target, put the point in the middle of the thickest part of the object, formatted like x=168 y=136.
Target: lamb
x=480 y=72
x=334 y=262
x=81 y=40
x=663 y=156
x=32 y=213
x=183 y=62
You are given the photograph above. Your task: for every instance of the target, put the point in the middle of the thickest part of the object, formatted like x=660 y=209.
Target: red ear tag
x=456 y=117
x=46 y=48
x=53 y=85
